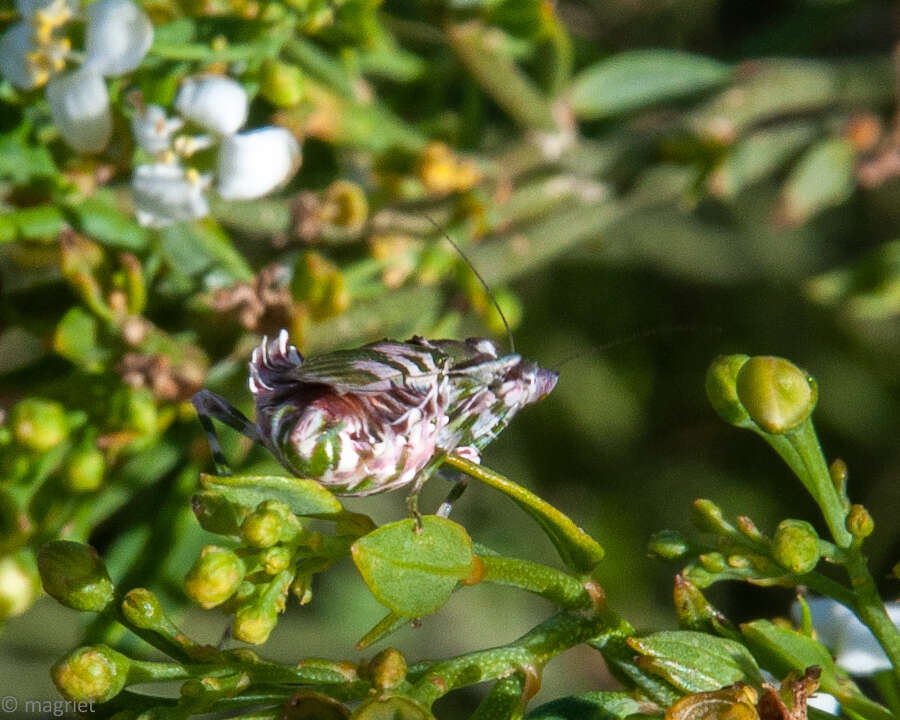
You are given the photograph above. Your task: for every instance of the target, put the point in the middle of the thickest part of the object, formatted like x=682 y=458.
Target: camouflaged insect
x=382 y=416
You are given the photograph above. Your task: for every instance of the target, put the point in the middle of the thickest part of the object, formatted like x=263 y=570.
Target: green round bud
x=74 y=574
x=777 y=394
x=387 y=669
x=215 y=576
x=276 y=560
x=38 y=424
x=20 y=584
x=796 y=546
x=262 y=528
x=281 y=84
x=713 y=562
x=668 y=545
x=142 y=609
x=84 y=470
x=721 y=388
x=253 y=624
x=94 y=673
x=859 y=522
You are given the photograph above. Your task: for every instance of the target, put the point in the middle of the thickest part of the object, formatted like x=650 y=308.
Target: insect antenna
x=487 y=288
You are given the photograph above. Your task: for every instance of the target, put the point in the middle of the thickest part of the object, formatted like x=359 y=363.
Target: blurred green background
x=688 y=179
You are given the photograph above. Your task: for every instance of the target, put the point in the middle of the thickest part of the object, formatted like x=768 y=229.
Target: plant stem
x=870 y=608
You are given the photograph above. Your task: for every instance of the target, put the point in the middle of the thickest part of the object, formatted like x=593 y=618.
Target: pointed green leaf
x=76 y=340
x=636 y=79
x=413 y=573
x=301 y=495
x=782 y=650
x=696 y=662
x=823 y=177
x=104 y=222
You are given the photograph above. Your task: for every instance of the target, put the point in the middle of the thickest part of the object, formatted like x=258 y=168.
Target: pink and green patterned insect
x=382 y=416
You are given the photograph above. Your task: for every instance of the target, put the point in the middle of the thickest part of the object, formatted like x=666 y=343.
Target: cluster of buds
x=275 y=555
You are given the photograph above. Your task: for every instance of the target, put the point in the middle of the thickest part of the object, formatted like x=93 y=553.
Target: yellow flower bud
x=94 y=673
x=796 y=546
x=777 y=394
x=38 y=424
x=214 y=577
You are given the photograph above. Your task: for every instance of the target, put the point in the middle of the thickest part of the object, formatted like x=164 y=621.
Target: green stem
x=577 y=549
x=871 y=610
x=552 y=584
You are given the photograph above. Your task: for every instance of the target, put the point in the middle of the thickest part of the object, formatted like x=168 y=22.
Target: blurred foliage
x=646 y=185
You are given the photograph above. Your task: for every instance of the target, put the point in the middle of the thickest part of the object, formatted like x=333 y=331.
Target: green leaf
x=76 y=340
x=194 y=247
x=35 y=223
x=21 y=161
x=636 y=79
x=781 y=650
x=413 y=573
x=588 y=706
x=301 y=495
x=109 y=225
x=694 y=661
x=391 y=708
x=823 y=177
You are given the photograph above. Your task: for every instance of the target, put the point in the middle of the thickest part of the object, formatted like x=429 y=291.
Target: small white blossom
x=837 y=628
x=165 y=193
x=118 y=35
x=153 y=130
x=248 y=164
x=255 y=163
x=215 y=103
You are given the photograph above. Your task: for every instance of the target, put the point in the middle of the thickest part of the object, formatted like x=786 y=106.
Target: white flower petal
x=14 y=44
x=165 y=194
x=79 y=104
x=825 y=703
x=254 y=163
x=153 y=130
x=218 y=104
x=27 y=8
x=118 y=36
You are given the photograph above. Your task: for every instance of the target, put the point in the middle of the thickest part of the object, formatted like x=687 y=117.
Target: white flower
x=118 y=35
x=213 y=102
x=255 y=163
x=855 y=648
x=248 y=164
x=166 y=193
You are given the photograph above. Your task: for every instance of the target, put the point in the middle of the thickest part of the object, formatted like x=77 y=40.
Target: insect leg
x=459 y=487
x=210 y=406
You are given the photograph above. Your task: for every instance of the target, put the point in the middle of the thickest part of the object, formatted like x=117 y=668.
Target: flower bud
x=796 y=546
x=387 y=669
x=839 y=475
x=276 y=560
x=142 y=609
x=707 y=516
x=396 y=707
x=777 y=394
x=859 y=522
x=668 y=545
x=20 y=584
x=94 y=673
x=302 y=588
x=253 y=624
x=262 y=528
x=38 y=424
x=281 y=84
x=344 y=205
x=84 y=469
x=713 y=562
x=213 y=102
x=721 y=389
x=694 y=611
x=75 y=575
x=214 y=577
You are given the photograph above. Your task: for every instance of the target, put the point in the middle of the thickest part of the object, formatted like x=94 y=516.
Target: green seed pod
x=142 y=609
x=75 y=575
x=253 y=624
x=668 y=545
x=214 y=577
x=721 y=389
x=387 y=669
x=20 y=584
x=262 y=528
x=94 y=673
x=84 y=469
x=39 y=425
x=281 y=84
x=859 y=522
x=796 y=546
x=777 y=394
